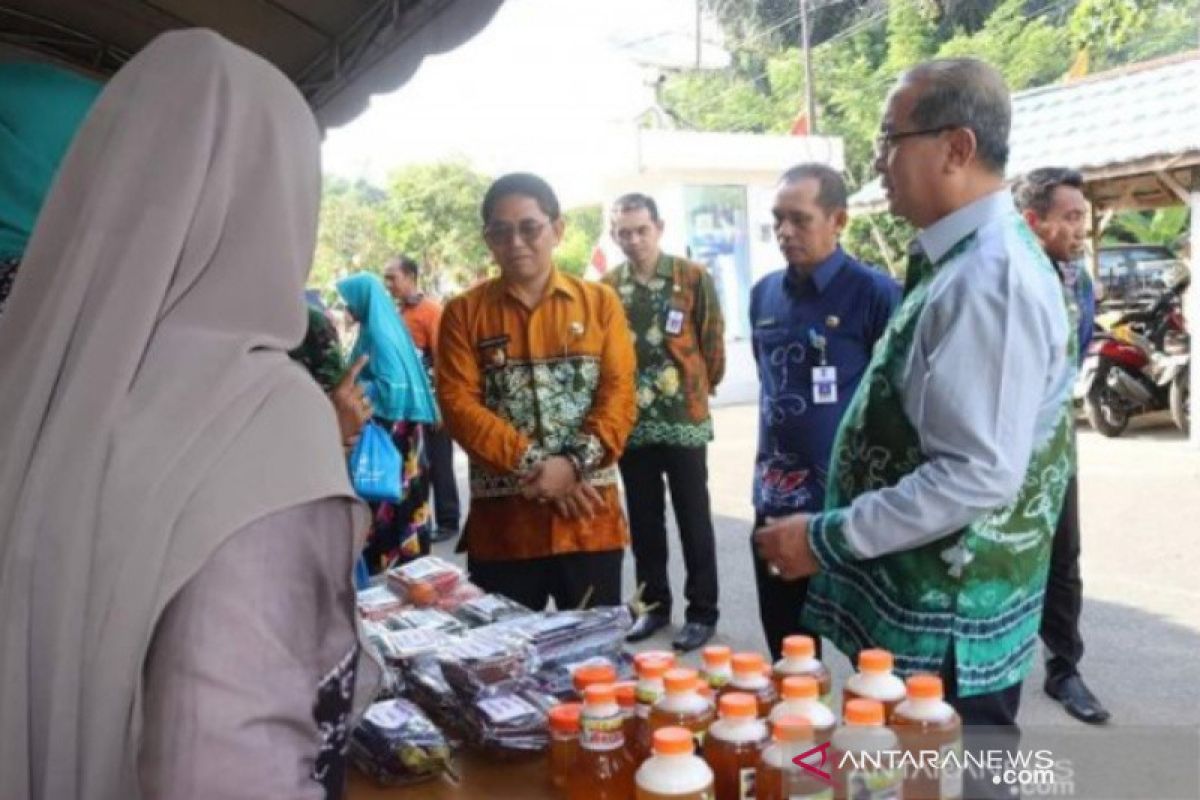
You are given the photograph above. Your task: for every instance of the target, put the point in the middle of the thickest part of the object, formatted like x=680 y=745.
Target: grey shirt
x=239 y=658
x=984 y=382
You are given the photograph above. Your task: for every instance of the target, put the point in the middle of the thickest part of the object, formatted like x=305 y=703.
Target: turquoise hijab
x=41 y=107
x=394 y=377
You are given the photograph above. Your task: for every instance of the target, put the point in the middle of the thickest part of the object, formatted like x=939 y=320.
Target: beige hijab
x=148 y=409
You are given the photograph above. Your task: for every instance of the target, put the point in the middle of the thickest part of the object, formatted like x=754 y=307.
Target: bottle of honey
x=586 y=675
x=717 y=670
x=674 y=772
x=683 y=705
x=866 y=761
x=632 y=726
x=750 y=676
x=650 y=688
x=734 y=746
x=603 y=769
x=874 y=681
x=800 y=700
x=925 y=722
x=779 y=777
x=564 y=742
x=799 y=659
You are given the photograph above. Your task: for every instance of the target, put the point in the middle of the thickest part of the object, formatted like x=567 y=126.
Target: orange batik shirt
x=516 y=385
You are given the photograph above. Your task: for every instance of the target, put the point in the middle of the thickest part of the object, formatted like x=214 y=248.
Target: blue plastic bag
x=375 y=466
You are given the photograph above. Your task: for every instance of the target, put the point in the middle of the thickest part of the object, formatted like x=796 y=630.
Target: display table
x=479 y=778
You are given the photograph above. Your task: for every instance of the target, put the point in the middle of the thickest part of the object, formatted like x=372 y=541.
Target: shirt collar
x=822 y=275
x=663 y=268
x=938 y=239
x=415 y=300
x=558 y=284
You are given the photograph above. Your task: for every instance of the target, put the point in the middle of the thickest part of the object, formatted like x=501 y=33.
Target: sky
x=545 y=87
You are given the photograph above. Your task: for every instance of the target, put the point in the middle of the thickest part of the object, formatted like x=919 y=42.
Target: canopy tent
x=338 y=52
x=1134 y=134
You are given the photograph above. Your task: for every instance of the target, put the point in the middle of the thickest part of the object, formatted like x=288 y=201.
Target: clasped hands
x=783 y=544
x=555 y=480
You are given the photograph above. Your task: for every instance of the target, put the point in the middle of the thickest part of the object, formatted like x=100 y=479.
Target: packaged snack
x=423 y=581
x=430 y=619
x=489 y=609
x=485 y=658
x=377 y=603
x=464 y=592
x=396 y=744
x=398 y=646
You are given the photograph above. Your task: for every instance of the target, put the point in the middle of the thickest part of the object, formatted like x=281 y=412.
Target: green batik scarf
x=980 y=588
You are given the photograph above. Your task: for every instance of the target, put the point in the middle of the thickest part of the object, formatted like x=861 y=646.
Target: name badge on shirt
x=824 y=381
x=674 y=324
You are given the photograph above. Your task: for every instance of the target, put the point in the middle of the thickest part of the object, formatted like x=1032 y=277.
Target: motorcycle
x=1139 y=366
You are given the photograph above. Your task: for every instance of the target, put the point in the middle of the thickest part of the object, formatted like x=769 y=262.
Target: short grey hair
x=1035 y=190
x=968 y=93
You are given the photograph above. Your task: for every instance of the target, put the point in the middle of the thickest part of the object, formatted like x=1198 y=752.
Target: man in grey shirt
x=952 y=459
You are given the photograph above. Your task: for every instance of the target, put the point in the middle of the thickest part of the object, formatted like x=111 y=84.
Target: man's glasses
x=499 y=234
x=884 y=141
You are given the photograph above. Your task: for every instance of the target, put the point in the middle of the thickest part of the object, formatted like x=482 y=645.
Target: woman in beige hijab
x=176 y=527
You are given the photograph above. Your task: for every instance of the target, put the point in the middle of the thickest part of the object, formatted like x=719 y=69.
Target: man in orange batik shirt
x=535 y=373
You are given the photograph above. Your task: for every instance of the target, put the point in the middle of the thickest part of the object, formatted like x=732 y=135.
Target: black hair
x=831 y=188
x=1034 y=191
x=525 y=184
x=635 y=200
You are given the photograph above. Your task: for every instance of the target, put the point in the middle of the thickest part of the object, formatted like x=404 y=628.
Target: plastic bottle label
x=951 y=786
x=883 y=784
x=746 y=778
x=602 y=734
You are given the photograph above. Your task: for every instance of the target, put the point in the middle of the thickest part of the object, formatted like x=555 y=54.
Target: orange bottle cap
x=924 y=687
x=874 y=660
x=793 y=729
x=654 y=655
x=800 y=687
x=587 y=674
x=680 y=680
x=748 y=663
x=864 y=712
x=716 y=655
x=799 y=647
x=673 y=741
x=705 y=690
x=626 y=694
x=652 y=668
x=600 y=694
x=564 y=717
x=739 y=704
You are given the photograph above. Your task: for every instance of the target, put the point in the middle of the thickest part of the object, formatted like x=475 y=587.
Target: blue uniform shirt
x=846 y=303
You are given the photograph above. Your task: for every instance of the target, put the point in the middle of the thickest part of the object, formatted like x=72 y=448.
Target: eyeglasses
x=886 y=140
x=500 y=234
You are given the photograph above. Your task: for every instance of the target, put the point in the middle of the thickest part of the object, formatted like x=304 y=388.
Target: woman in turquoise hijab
x=398 y=388
x=41 y=107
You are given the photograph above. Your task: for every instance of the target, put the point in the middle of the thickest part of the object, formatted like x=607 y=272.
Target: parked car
x=1132 y=274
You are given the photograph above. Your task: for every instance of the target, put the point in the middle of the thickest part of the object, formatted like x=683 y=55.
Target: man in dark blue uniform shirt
x=814 y=326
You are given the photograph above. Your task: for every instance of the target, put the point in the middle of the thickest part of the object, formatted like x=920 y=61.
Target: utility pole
x=810 y=105
x=697 y=34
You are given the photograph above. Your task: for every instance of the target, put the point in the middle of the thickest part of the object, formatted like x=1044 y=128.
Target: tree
x=350 y=232
x=432 y=215
x=1162 y=226
x=584 y=226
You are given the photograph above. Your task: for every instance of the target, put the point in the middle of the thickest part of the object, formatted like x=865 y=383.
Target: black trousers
x=780 y=603
x=1064 y=592
x=439 y=448
x=567 y=578
x=989 y=724
x=686 y=472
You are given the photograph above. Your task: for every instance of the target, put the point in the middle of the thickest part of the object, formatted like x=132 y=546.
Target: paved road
x=1140 y=500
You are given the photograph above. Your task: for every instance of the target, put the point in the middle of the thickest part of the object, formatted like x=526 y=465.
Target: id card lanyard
x=824 y=377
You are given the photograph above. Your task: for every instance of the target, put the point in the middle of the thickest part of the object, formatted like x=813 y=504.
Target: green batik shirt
x=679 y=337
x=950 y=464
x=320 y=352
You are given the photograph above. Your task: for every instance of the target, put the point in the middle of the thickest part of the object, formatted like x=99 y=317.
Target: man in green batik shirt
x=679 y=335
x=951 y=462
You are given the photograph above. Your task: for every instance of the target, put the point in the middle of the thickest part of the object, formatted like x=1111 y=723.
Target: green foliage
x=1163 y=226
x=433 y=216
x=350 y=233
x=583 y=228
x=865 y=44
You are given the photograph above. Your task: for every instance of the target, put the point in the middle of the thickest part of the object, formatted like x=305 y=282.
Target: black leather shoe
x=1077 y=699
x=646 y=626
x=442 y=535
x=693 y=635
